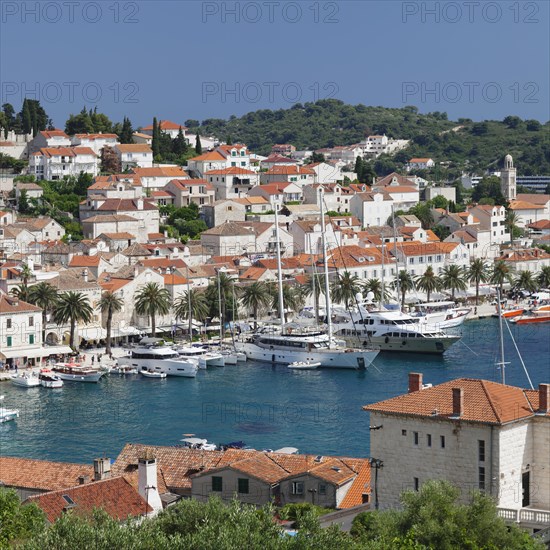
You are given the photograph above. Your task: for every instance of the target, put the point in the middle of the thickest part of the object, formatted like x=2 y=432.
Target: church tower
x=508 y=179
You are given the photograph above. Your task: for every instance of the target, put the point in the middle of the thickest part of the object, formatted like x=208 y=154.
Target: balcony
x=526 y=517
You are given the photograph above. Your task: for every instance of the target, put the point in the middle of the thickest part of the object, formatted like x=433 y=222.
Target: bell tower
x=508 y=179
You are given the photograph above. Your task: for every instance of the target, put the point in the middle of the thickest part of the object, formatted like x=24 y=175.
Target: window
x=442 y=440
x=243 y=486
x=9 y=341
x=403 y=432
x=415 y=434
x=481 y=450
x=429 y=440
x=8 y=323
x=481 y=478
x=31 y=338
x=297 y=487
x=31 y=321
x=416 y=483
x=217 y=484
x=322 y=488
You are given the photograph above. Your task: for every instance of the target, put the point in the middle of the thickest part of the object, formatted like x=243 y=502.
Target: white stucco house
x=54 y=163
x=134 y=155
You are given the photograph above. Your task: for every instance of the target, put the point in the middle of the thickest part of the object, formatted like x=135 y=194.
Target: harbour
x=317 y=411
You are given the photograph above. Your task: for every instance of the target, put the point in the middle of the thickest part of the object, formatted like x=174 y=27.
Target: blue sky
x=184 y=59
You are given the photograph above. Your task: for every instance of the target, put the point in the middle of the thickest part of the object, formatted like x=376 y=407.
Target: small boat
x=26 y=380
x=48 y=379
x=198 y=443
x=153 y=374
x=123 y=369
x=533 y=317
x=74 y=372
x=287 y=451
x=304 y=365
x=7 y=414
x=229 y=357
x=241 y=357
x=510 y=313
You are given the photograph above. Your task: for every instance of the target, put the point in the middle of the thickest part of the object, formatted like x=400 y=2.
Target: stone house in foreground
x=473 y=433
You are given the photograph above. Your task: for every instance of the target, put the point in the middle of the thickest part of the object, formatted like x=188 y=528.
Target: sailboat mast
x=189 y=309
x=502 y=364
x=382 y=284
x=325 y=266
x=279 y=270
x=395 y=252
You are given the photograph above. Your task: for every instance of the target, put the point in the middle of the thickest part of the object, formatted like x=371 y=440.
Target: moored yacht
x=26 y=380
x=204 y=356
x=73 y=372
x=441 y=315
x=49 y=379
x=391 y=330
x=7 y=414
x=160 y=358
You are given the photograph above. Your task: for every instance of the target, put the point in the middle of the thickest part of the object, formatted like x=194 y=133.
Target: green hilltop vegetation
x=465 y=144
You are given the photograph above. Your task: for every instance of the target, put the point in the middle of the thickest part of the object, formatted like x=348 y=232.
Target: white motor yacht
x=198 y=443
x=441 y=315
x=204 y=356
x=73 y=372
x=49 y=379
x=391 y=330
x=160 y=358
x=26 y=380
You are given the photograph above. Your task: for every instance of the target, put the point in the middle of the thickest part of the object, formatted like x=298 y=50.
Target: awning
x=33 y=353
x=92 y=333
x=121 y=332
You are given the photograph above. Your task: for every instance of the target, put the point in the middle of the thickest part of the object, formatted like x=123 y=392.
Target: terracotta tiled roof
x=133 y=148
x=108 y=218
x=167 y=125
x=359 y=487
x=534 y=198
x=522 y=205
x=161 y=172
x=163 y=263
x=290 y=170
x=117 y=236
x=41 y=474
x=400 y=189
x=253 y=273
x=525 y=254
x=136 y=249
x=10 y=304
x=93 y=137
x=114 y=495
x=210 y=155
x=484 y=401
x=402 y=180
x=419 y=160
x=125 y=205
x=227 y=229
x=273 y=188
x=417 y=248
x=541 y=224
x=236 y=170
x=84 y=261
x=54 y=133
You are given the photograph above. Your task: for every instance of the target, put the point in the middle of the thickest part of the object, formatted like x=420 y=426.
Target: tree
x=544 y=277
x=80 y=123
x=45 y=296
x=428 y=282
x=423 y=212
x=109 y=304
x=127 y=132
x=375 y=286
x=23 y=203
x=155 y=143
x=315 y=285
x=150 y=300
x=511 y=222
x=198 y=144
x=191 y=305
x=344 y=289
x=293 y=299
x=179 y=145
x=453 y=278
x=500 y=274
x=477 y=274
x=405 y=283
x=256 y=296
x=489 y=188
x=72 y=307
x=110 y=161
x=525 y=281
x=18 y=522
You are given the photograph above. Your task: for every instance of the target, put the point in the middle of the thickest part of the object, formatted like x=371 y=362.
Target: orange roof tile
x=134 y=148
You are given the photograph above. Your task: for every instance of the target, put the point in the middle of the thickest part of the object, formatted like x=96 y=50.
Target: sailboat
x=286 y=347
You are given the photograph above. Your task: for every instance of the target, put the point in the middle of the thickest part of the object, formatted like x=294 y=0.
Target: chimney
x=82 y=480
x=544 y=398
x=139 y=204
x=147 y=482
x=415 y=381
x=136 y=272
x=85 y=274
x=165 y=233
x=458 y=402
x=102 y=468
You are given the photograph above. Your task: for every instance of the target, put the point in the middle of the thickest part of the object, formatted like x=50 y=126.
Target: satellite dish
x=370 y=296
x=359 y=297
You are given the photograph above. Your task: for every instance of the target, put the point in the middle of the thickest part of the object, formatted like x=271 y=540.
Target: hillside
x=464 y=143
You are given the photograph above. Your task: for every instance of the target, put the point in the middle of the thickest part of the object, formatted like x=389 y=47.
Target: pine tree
x=26 y=117
x=156 y=141
x=198 y=145
x=127 y=132
x=179 y=145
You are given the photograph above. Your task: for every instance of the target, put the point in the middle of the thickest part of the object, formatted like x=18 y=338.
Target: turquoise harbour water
x=267 y=407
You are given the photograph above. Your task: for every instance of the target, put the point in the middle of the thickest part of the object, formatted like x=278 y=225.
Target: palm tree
x=43 y=295
x=544 y=277
x=150 y=300
x=406 y=284
x=501 y=273
x=21 y=291
x=525 y=281
x=72 y=307
x=344 y=288
x=292 y=297
x=314 y=285
x=452 y=277
x=191 y=301
x=375 y=286
x=256 y=296
x=511 y=223
x=477 y=274
x=428 y=282
x=220 y=293
x=110 y=303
